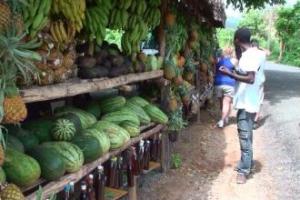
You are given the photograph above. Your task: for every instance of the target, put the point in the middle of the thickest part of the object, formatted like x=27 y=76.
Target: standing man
x=255 y=44
x=246 y=98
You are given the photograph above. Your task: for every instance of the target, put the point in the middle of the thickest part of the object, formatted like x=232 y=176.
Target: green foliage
x=242 y=4
x=288 y=29
x=176 y=122
x=176 y=161
x=225 y=37
x=254 y=20
x=114 y=37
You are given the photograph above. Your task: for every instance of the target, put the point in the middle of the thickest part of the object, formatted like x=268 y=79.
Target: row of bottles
x=90 y=188
x=118 y=172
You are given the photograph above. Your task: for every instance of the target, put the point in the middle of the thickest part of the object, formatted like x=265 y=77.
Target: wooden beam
x=132 y=191
x=77 y=86
x=54 y=187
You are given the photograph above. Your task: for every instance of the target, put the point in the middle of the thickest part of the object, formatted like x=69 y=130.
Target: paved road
x=282 y=131
x=209 y=155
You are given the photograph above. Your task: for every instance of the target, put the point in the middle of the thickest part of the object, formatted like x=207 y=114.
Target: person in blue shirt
x=225 y=85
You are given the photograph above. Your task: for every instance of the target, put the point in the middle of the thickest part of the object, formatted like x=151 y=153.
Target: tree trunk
x=282 y=48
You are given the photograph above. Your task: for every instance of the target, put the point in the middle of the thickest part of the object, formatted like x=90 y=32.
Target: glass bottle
x=100 y=183
x=83 y=192
x=90 y=187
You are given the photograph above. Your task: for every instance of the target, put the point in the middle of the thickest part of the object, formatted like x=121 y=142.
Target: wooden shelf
x=56 y=186
x=77 y=86
x=117 y=193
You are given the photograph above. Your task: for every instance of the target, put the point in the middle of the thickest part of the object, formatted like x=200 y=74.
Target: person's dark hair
x=243 y=35
x=255 y=43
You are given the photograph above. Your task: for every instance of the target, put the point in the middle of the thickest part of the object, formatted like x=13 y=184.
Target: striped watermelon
x=70 y=153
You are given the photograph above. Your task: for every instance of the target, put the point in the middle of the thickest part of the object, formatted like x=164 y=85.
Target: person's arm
x=249 y=77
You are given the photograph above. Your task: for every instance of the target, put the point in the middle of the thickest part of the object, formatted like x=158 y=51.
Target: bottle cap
x=83 y=187
x=100 y=167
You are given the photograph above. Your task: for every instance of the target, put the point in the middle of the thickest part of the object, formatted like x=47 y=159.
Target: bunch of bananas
x=154 y=3
x=138 y=7
x=119 y=19
x=36 y=15
x=96 y=21
x=73 y=10
x=136 y=29
x=62 y=33
x=131 y=38
x=152 y=16
x=120 y=15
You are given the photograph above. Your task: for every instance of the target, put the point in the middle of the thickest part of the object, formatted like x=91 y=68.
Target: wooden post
x=165 y=153
x=132 y=191
x=198 y=91
x=160 y=30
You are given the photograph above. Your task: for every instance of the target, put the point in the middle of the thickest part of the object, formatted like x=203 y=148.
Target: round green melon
x=90 y=147
x=20 y=168
x=63 y=130
x=70 y=153
x=51 y=163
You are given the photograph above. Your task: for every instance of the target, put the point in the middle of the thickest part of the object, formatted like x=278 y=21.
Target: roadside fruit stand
x=92 y=90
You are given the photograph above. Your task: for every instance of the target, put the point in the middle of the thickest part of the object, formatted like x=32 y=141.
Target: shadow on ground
x=203 y=160
x=277 y=90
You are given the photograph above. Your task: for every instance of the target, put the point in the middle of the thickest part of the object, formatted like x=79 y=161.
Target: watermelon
x=63 y=130
x=138 y=101
x=90 y=147
x=14 y=143
x=117 y=135
x=70 y=153
x=112 y=104
x=74 y=119
x=20 y=168
x=138 y=110
x=86 y=119
x=41 y=128
x=118 y=117
x=156 y=114
x=131 y=128
x=102 y=138
x=29 y=140
x=93 y=108
x=52 y=165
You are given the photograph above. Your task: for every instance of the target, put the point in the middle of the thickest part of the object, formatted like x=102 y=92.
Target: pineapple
x=61 y=75
x=15 y=110
x=11 y=192
x=5 y=15
x=46 y=77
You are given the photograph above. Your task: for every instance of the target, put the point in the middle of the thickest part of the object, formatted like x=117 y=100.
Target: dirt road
x=209 y=155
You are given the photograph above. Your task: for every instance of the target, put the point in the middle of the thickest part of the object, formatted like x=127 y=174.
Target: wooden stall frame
x=56 y=186
x=75 y=87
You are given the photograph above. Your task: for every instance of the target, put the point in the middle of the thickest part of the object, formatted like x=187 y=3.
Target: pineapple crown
x=16 y=5
x=16 y=55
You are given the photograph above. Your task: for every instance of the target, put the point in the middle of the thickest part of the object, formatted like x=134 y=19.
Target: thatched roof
x=210 y=11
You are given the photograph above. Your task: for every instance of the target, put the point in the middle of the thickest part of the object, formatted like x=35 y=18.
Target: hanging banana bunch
x=62 y=33
x=36 y=15
x=73 y=10
x=96 y=21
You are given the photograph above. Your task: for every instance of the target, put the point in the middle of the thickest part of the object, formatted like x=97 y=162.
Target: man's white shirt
x=247 y=95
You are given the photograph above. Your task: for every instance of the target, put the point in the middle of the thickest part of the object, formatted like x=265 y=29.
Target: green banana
x=37 y=21
x=48 y=7
x=127 y=4
x=133 y=6
x=34 y=8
